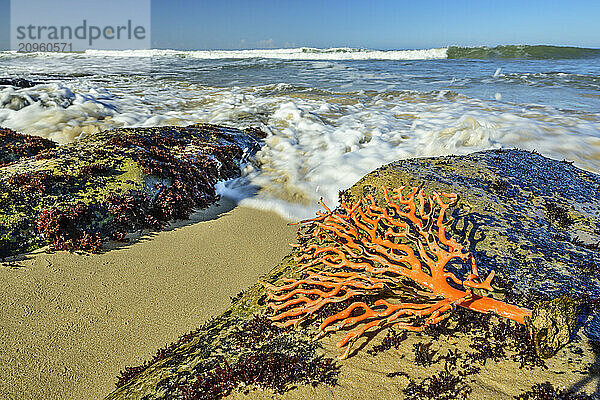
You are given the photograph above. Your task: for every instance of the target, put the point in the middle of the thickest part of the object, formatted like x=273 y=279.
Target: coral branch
x=392 y=265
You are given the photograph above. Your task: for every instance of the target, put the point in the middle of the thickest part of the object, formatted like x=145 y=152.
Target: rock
x=533 y=220
x=552 y=323
x=106 y=185
x=17 y=82
x=14 y=146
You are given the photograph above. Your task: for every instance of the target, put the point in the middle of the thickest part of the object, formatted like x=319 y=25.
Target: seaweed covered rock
x=238 y=349
x=14 y=146
x=544 y=391
x=75 y=196
x=532 y=220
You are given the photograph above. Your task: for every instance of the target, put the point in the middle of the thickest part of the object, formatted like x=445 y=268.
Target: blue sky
x=383 y=24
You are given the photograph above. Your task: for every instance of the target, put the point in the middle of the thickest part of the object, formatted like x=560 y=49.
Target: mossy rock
x=105 y=185
x=552 y=325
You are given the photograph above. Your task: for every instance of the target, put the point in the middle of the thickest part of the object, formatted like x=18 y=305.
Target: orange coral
x=392 y=265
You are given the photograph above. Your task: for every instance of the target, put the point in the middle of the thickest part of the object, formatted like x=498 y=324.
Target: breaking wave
x=539 y=52
x=302 y=53
x=536 y=52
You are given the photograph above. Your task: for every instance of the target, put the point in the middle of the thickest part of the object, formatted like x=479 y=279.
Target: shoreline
x=71 y=323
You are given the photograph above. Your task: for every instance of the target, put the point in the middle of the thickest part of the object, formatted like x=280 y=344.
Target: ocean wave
x=538 y=52
x=556 y=79
x=67 y=112
x=318 y=145
x=302 y=53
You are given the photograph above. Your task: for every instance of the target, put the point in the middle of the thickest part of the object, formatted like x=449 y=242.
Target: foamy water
x=304 y=53
x=330 y=120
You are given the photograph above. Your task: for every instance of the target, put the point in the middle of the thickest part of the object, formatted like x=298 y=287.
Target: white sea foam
x=302 y=53
x=319 y=141
x=317 y=148
x=65 y=113
x=55 y=111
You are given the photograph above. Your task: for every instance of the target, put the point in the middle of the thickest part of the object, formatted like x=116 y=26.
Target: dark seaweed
x=558 y=214
x=131 y=372
x=70 y=228
x=491 y=338
x=192 y=178
x=423 y=355
x=545 y=391
x=90 y=170
x=275 y=371
x=14 y=146
x=500 y=187
x=392 y=339
x=40 y=181
x=237 y=297
x=442 y=386
x=268 y=357
x=130 y=212
x=256 y=331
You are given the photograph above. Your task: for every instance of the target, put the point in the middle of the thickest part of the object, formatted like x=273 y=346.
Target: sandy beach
x=70 y=323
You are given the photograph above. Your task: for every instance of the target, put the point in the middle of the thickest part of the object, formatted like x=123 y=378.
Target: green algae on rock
x=106 y=185
x=504 y=219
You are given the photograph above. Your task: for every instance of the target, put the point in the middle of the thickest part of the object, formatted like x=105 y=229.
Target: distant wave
x=345 y=53
x=538 y=52
x=301 y=53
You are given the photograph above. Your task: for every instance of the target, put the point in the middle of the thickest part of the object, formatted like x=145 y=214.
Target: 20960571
x=29 y=47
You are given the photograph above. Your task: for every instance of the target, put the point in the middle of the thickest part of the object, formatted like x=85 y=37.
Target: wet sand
x=69 y=323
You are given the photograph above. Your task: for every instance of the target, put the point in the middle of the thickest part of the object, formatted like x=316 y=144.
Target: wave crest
x=538 y=52
x=301 y=53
